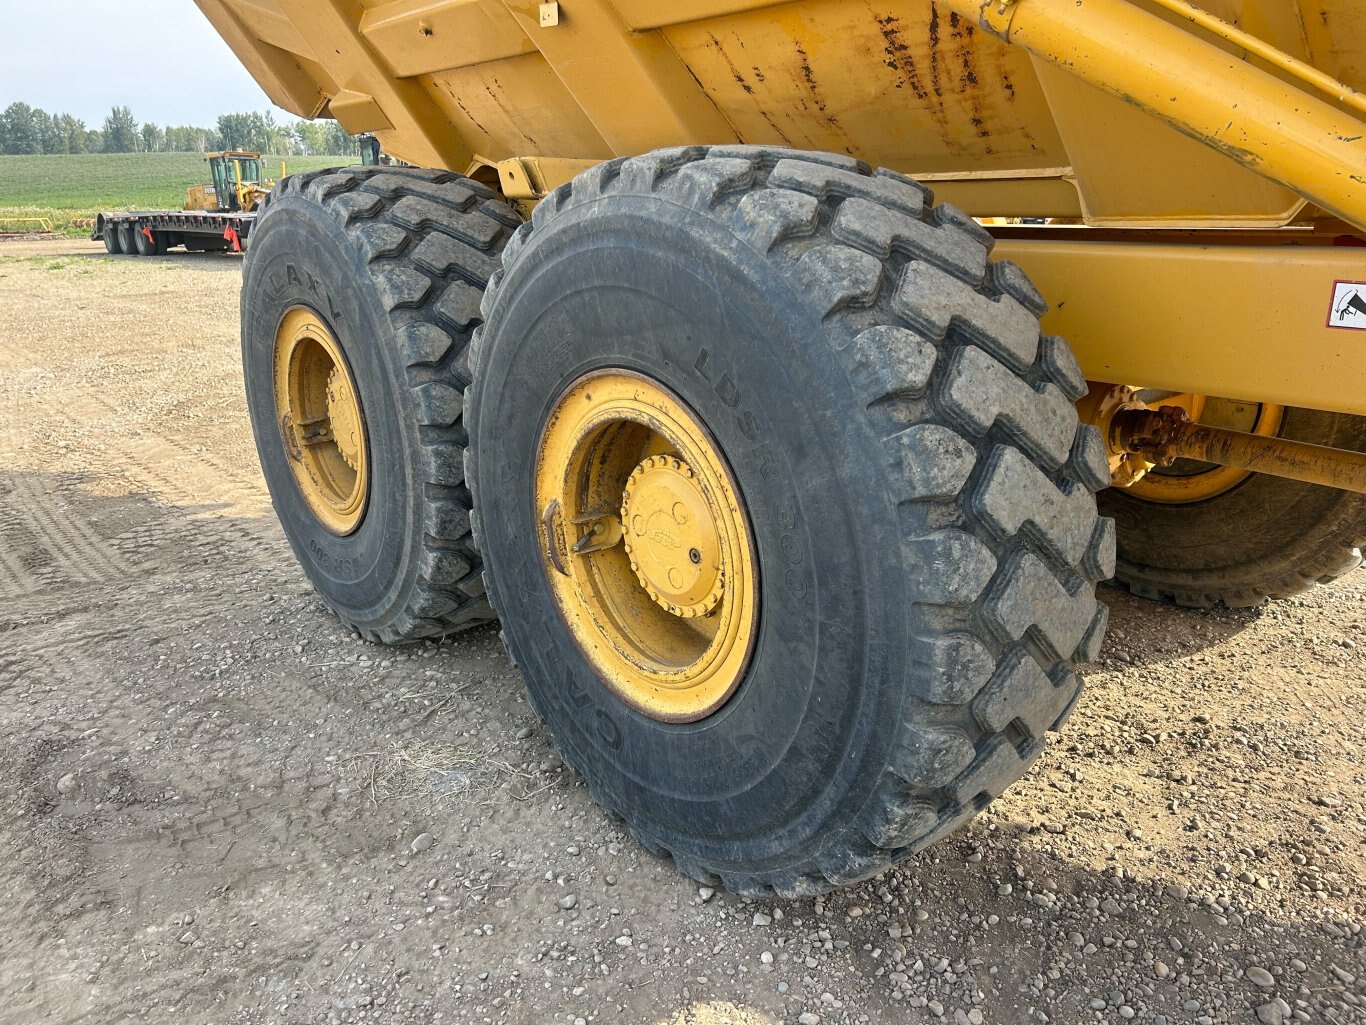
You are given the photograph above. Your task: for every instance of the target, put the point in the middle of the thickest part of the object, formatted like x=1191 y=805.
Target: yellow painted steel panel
x=1248 y=322
x=907 y=85
x=524 y=108
x=1253 y=117
x=268 y=23
x=1134 y=170
x=646 y=14
x=917 y=85
x=632 y=86
x=416 y=37
x=1335 y=31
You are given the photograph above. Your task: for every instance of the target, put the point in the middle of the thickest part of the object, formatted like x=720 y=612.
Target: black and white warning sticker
x=1349 y=305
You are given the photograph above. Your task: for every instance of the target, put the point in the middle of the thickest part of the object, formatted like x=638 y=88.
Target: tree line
x=30 y=130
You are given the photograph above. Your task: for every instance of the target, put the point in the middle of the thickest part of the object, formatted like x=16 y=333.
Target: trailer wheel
x=360 y=291
x=785 y=508
x=128 y=244
x=146 y=246
x=1198 y=535
x=111 y=240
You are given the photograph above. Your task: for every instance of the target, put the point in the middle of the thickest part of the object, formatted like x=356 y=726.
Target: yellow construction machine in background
x=237 y=185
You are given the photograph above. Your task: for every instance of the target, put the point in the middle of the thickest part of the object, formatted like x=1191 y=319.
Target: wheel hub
x=344 y=413
x=321 y=424
x=646 y=545
x=671 y=537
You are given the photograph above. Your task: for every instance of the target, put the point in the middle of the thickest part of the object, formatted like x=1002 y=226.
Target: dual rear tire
x=129 y=238
x=155 y=245
x=360 y=291
x=907 y=458
x=772 y=479
x=845 y=415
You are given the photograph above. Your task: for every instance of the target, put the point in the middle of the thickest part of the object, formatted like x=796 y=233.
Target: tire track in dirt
x=188 y=479
x=15 y=580
x=203 y=504
x=16 y=668
x=211 y=505
x=73 y=549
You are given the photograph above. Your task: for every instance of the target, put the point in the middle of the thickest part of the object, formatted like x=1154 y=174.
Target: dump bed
x=1054 y=127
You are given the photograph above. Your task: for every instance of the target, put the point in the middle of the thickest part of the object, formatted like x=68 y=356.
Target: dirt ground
x=216 y=805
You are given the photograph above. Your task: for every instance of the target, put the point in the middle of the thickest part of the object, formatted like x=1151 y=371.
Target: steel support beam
x=1262 y=122
x=1242 y=322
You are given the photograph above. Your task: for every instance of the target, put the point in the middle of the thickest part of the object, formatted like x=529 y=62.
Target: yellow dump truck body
x=911 y=85
x=1115 y=114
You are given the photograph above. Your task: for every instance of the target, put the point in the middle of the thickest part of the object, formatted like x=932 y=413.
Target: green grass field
x=70 y=189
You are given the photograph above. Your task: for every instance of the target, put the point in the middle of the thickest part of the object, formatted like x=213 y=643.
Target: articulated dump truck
x=784 y=376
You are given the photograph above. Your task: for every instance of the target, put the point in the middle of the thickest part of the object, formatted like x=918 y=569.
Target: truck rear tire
x=361 y=287
x=844 y=458
x=1265 y=537
x=128 y=244
x=112 y=245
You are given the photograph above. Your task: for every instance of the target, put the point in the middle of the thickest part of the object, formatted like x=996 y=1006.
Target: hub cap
x=320 y=419
x=671 y=537
x=646 y=545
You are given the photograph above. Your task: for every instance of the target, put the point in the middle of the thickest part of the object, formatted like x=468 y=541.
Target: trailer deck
x=166 y=228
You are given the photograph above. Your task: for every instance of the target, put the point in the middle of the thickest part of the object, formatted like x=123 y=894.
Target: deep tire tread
x=980 y=433
x=391 y=213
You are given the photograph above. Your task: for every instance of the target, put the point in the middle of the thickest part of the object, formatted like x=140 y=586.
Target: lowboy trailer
x=152 y=232
x=216 y=215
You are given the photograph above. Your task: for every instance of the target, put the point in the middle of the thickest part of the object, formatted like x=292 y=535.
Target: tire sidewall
x=672 y=295
x=298 y=258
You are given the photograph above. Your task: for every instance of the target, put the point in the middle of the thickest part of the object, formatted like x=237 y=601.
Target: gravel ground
x=220 y=806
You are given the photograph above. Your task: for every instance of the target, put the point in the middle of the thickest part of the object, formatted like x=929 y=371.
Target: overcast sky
x=160 y=57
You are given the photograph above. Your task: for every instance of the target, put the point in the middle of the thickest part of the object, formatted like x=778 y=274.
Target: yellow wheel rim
x=646 y=545
x=320 y=421
x=1188 y=481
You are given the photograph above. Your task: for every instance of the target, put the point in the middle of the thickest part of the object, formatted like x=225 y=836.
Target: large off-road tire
x=388 y=267
x=1266 y=537
x=112 y=245
x=128 y=244
x=917 y=488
